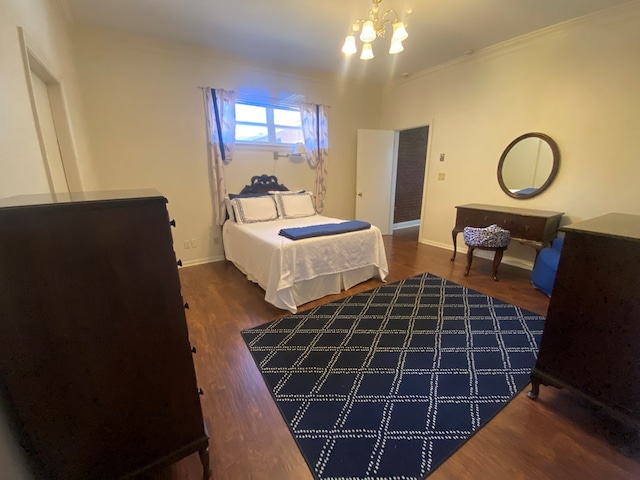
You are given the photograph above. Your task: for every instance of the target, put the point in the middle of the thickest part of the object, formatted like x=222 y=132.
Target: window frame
x=271 y=126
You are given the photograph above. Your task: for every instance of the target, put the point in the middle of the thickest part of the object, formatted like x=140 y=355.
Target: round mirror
x=528 y=165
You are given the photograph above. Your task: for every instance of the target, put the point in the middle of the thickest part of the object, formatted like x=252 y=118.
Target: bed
x=293 y=272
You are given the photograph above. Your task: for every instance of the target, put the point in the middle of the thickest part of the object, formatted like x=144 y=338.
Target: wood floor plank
x=558 y=436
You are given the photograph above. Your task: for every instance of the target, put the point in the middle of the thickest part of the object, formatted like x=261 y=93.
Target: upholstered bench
x=487 y=238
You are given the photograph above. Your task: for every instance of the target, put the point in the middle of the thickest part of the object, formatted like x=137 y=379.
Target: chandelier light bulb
x=399 y=32
x=368 y=33
x=375 y=25
x=396 y=47
x=367 y=52
x=349 y=47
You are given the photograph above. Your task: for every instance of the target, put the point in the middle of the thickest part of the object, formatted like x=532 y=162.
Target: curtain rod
x=268 y=98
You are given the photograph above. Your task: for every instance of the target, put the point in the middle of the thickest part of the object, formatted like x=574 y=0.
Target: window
x=262 y=123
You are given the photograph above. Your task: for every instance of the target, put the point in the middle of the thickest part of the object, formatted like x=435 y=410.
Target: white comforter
x=278 y=264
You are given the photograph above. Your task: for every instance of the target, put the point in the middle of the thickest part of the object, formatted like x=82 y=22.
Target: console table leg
x=454 y=235
x=206 y=462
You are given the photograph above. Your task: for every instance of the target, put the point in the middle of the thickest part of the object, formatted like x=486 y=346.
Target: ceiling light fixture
x=373 y=26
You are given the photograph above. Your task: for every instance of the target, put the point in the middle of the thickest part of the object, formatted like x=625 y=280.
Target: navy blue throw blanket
x=298 y=233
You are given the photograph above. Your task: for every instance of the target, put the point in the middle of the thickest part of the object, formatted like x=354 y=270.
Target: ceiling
x=309 y=34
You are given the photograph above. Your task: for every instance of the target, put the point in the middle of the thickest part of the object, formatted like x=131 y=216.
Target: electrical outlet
x=187 y=245
x=441 y=176
x=194 y=243
x=442 y=157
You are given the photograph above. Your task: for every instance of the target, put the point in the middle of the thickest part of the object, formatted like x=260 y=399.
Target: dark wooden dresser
x=591 y=339
x=532 y=227
x=96 y=370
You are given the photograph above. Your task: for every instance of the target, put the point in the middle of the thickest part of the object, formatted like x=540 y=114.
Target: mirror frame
x=554 y=169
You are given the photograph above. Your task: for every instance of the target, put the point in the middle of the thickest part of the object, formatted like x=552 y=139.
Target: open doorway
x=410 y=172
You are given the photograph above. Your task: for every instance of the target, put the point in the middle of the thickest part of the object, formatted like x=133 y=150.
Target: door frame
x=427 y=160
x=430 y=126
x=35 y=63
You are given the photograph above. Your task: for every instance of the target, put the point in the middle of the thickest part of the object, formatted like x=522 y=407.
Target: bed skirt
x=314 y=288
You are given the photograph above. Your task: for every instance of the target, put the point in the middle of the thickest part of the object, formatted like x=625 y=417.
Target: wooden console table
x=531 y=227
x=590 y=339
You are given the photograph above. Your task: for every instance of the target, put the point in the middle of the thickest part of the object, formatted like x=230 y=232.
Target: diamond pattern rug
x=388 y=383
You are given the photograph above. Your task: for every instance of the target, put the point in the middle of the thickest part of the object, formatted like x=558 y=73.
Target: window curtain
x=316 y=143
x=221 y=126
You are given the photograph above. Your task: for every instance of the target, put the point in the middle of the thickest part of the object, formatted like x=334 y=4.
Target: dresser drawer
x=476 y=218
x=524 y=227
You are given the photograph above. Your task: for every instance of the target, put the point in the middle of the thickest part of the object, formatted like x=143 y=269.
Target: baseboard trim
x=462 y=249
x=200 y=261
x=409 y=224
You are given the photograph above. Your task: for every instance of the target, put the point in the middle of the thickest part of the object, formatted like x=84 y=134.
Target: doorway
x=410 y=172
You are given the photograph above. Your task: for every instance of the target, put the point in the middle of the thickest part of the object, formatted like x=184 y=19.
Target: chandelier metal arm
x=386 y=20
x=379 y=21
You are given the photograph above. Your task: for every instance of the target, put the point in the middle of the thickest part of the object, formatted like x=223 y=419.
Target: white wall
x=578 y=83
x=145 y=114
x=22 y=167
x=145 y=122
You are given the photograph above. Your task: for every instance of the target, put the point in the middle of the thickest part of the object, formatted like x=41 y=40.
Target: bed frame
x=259 y=252
x=262 y=184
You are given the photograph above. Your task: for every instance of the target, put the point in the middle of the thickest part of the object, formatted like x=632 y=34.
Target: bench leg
x=469 y=260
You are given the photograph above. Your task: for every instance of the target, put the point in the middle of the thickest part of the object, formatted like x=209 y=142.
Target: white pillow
x=254 y=209
x=295 y=206
x=230 y=214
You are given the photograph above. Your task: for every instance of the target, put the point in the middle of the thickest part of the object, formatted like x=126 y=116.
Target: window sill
x=265 y=147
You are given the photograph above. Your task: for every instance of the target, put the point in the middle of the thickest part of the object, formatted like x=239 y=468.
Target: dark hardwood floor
x=556 y=437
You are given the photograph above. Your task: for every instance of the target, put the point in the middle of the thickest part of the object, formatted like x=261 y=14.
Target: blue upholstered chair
x=546 y=266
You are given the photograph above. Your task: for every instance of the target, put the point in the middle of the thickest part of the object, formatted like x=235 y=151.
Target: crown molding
x=559 y=30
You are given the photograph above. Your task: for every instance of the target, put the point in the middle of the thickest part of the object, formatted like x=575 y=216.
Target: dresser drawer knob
x=172 y=222
x=179 y=263
x=186 y=305
x=200 y=391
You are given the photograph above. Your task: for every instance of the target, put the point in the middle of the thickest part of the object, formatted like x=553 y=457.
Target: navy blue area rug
x=388 y=383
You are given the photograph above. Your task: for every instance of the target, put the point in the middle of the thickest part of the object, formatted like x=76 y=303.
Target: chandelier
x=372 y=27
